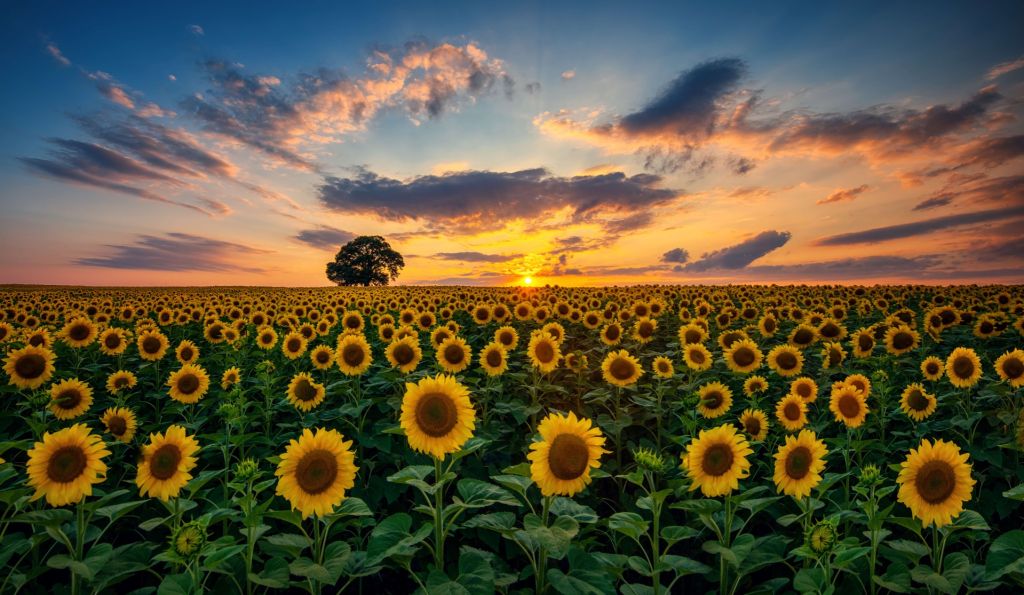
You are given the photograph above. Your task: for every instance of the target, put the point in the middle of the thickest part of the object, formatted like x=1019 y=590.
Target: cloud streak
x=847 y=194
x=176 y=252
x=923 y=227
x=739 y=255
x=325 y=238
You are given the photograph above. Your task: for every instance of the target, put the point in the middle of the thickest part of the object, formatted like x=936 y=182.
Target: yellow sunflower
x=152 y=345
x=863 y=342
x=716 y=460
x=917 y=403
x=799 y=463
x=294 y=345
x=662 y=367
x=560 y=462
x=454 y=355
x=120 y=423
x=119 y=381
x=805 y=388
x=188 y=384
x=754 y=385
x=935 y=481
x=493 y=360
x=322 y=357
x=1010 y=367
x=113 y=341
x=404 y=354
x=544 y=352
x=70 y=398
x=315 y=471
x=697 y=357
x=611 y=334
x=832 y=355
x=859 y=382
x=932 y=368
x=507 y=336
x=266 y=338
x=643 y=330
x=963 y=368
x=901 y=339
x=230 y=377
x=715 y=400
x=437 y=415
x=621 y=369
x=692 y=333
x=66 y=464
x=786 y=360
x=755 y=424
x=79 y=332
x=29 y=367
x=791 y=411
x=187 y=352
x=849 y=405
x=743 y=356
x=166 y=463
x=353 y=354
x=304 y=393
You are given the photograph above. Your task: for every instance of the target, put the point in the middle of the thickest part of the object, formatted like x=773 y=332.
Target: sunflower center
x=902 y=340
x=186 y=354
x=453 y=354
x=963 y=367
x=316 y=471
x=798 y=463
x=1013 y=368
x=151 y=344
x=568 y=457
x=66 y=464
x=752 y=425
x=121 y=382
x=544 y=352
x=744 y=356
x=117 y=425
x=79 y=332
x=849 y=406
x=803 y=336
x=865 y=343
x=112 y=341
x=69 y=398
x=266 y=338
x=791 y=411
x=713 y=400
x=917 y=400
x=436 y=414
x=935 y=481
x=188 y=383
x=353 y=354
x=663 y=367
x=30 y=366
x=403 y=354
x=717 y=459
x=493 y=358
x=294 y=344
x=612 y=332
x=692 y=336
x=304 y=390
x=505 y=338
x=621 y=369
x=163 y=463
x=697 y=356
x=786 y=360
x=646 y=329
x=352 y=322
x=322 y=357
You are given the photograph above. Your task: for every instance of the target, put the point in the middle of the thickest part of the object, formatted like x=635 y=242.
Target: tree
x=366 y=260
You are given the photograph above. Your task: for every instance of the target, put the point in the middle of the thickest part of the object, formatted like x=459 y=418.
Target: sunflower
x=315 y=471
x=507 y=336
x=901 y=339
x=353 y=354
x=152 y=345
x=560 y=462
x=786 y=360
x=493 y=360
x=187 y=352
x=119 y=381
x=79 y=332
x=29 y=367
x=743 y=356
x=120 y=423
x=621 y=369
x=266 y=338
x=716 y=460
x=963 y=368
x=576 y=361
x=304 y=393
x=230 y=377
x=755 y=424
x=832 y=355
x=1010 y=367
x=692 y=333
x=803 y=336
x=643 y=330
x=697 y=357
x=322 y=357
x=404 y=354
x=113 y=341
x=935 y=481
x=917 y=403
x=799 y=463
x=754 y=385
x=848 y=404
x=544 y=352
x=189 y=384
x=859 y=382
x=70 y=398
x=437 y=415
x=715 y=400
x=611 y=334
x=863 y=342
x=932 y=368
x=66 y=464
x=294 y=345
x=805 y=388
x=166 y=463
x=662 y=367
x=791 y=411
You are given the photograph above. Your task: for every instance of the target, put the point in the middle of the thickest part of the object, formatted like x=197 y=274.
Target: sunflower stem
x=540 y=577
x=438 y=516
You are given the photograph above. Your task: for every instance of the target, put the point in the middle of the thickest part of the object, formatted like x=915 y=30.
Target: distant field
x=653 y=439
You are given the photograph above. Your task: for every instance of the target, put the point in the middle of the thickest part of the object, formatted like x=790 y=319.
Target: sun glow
x=527 y=281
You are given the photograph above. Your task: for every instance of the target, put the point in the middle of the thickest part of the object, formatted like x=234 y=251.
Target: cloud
x=923 y=227
x=993 y=152
x=325 y=238
x=676 y=255
x=476 y=256
x=568 y=75
x=844 y=194
x=934 y=202
x=1005 y=68
x=977 y=189
x=196 y=30
x=739 y=255
x=176 y=252
x=533 y=88
x=488 y=199
x=56 y=54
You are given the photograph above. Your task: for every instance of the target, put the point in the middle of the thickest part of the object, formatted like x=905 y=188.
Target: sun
x=527 y=280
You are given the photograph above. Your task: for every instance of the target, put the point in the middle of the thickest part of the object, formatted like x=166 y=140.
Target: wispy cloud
x=56 y=54
x=325 y=238
x=844 y=194
x=739 y=255
x=1005 y=68
x=923 y=227
x=177 y=252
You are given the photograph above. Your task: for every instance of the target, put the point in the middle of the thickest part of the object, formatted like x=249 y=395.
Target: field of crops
x=746 y=439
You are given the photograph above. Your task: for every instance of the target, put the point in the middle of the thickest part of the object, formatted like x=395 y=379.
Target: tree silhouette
x=366 y=260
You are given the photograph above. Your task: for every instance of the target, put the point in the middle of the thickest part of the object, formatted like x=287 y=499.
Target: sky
x=584 y=143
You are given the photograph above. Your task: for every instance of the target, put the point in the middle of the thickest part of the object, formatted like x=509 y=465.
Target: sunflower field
x=653 y=439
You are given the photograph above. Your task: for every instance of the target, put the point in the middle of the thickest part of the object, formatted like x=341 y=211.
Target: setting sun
x=527 y=280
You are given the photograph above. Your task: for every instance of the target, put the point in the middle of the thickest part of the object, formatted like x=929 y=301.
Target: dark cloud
x=486 y=199
x=926 y=226
x=739 y=255
x=940 y=200
x=475 y=256
x=741 y=165
x=176 y=252
x=993 y=152
x=633 y=222
x=676 y=255
x=844 y=194
x=325 y=238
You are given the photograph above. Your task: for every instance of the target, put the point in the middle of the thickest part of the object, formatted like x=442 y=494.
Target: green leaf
x=628 y=523
x=307 y=568
x=175 y=584
x=274 y=574
x=1005 y=555
x=555 y=538
x=475 y=572
x=501 y=522
x=927 y=575
x=896 y=578
x=336 y=559
x=809 y=580
x=676 y=533
x=568 y=507
x=478 y=494
x=955 y=567
x=845 y=556
x=412 y=473
x=1016 y=493
x=116 y=511
x=683 y=566
x=291 y=541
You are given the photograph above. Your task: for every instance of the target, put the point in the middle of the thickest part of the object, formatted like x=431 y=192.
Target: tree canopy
x=366 y=260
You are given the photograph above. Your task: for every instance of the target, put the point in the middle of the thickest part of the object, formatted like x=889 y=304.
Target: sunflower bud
x=648 y=460
x=246 y=469
x=869 y=476
x=188 y=540
x=822 y=537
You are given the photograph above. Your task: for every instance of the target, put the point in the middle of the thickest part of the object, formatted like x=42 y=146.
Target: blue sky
x=557 y=73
